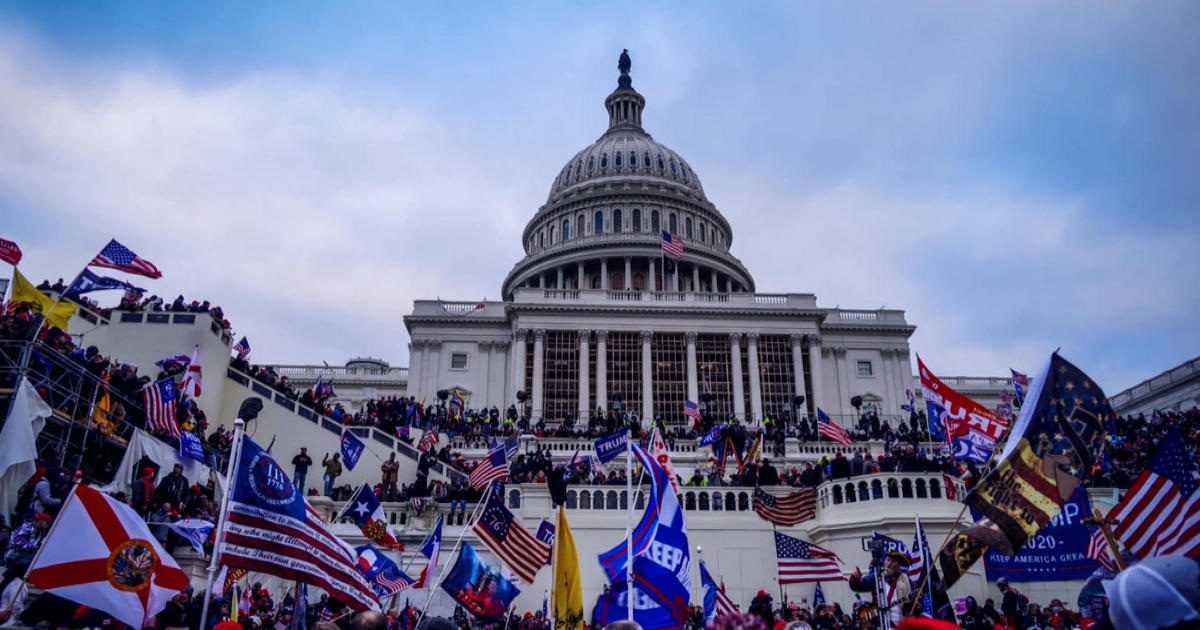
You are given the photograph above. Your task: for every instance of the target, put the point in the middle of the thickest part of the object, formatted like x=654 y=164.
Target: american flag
x=117 y=256
x=494 y=467
x=672 y=245
x=159 y=401
x=786 y=511
x=428 y=440
x=419 y=503
x=801 y=561
x=1161 y=513
x=691 y=410
x=243 y=347
x=1098 y=549
x=512 y=543
x=827 y=428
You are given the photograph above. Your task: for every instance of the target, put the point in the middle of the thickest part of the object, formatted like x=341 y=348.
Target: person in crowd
x=333 y=470
x=43 y=493
x=391 y=474
x=23 y=545
x=895 y=587
x=143 y=492
x=173 y=488
x=301 y=462
x=1013 y=605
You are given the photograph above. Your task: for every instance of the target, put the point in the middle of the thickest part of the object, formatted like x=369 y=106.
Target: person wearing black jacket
x=172 y=489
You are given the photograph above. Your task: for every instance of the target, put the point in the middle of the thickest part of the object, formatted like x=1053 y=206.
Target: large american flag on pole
x=513 y=544
x=827 y=428
x=429 y=439
x=1161 y=513
x=117 y=256
x=785 y=511
x=1098 y=549
x=158 y=399
x=672 y=245
x=494 y=467
x=801 y=561
x=270 y=529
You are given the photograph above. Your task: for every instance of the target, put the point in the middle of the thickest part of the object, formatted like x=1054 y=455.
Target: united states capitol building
x=596 y=317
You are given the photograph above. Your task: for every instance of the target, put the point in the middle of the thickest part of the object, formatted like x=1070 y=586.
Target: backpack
x=1022 y=601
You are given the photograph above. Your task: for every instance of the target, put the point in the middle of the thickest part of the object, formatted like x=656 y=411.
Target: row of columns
x=561 y=271
x=537 y=388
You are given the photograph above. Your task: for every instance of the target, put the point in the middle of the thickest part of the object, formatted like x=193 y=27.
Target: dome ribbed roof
x=626 y=154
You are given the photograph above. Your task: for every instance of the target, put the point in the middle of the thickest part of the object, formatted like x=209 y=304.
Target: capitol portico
x=595 y=315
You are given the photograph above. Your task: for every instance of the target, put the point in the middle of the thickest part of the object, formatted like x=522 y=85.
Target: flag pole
x=235 y=453
x=445 y=566
x=628 y=524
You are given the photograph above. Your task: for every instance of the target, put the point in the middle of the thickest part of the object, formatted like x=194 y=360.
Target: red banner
x=10 y=252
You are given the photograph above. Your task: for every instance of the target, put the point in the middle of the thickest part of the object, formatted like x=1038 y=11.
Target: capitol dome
x=611 y=207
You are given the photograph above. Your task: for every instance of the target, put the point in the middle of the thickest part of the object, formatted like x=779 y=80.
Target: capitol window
x=617 y=159
x=458 y=361
x=591 y=163
x=599 y=223
x=604 y=161
x=566 y=229
x=661 y=166
x=637 y=220
x=687 y=227
x=673 y=225
x=646 y=159
x=633 y=159
x=865 y=368
x=617 y=221
x=672 y=167
x=655 y=225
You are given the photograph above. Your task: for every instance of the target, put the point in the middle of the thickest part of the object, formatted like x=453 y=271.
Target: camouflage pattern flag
x=1051 y=449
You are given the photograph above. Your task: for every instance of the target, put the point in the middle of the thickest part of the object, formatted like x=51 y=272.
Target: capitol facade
x=595 y=316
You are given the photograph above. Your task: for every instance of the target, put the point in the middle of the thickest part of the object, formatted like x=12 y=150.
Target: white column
x=560 y=278
x=755 y=384
x=735 y=356
x=675 y=278
x=715 y=286
x=435 y=364
x=904 y=373
x=485 y=363
x=416 y=367
x=539 y=364
x=889 y=405
x=579 y=275
x=518 y=362
x=584 y=412
x=647 y=380
x=653 y=283
x=604 y=274
x=815 y=368
x=693 y=389
x=695 y=277
x=602 y=369
x=798 y=369
x=843 y=376
x=496 y=393
x=628 y=273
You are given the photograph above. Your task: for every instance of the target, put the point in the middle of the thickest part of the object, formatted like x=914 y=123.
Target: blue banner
x=609 y=446
x=1057 y=552
x=709 y=438
x=190 y=446
x=352 y=449
x=259 y=481
x=479 y=588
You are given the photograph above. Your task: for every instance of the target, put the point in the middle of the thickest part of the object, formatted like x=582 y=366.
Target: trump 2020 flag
x=479 y=588
x=1053 y=446
x=190 y=446
x=101 y=554
x=610 y=446
x=365 y=510
x=193 y=530
x=352 y=449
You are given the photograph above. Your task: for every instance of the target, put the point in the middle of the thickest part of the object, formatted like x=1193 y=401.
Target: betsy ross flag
x=158 y=399
x=432 y=549
x=270 y=529
x=827 y=428
x=785 y=511
x=691 y=410
x=117 y=256
x=242 y=348
x=672 y=245
x=101 y=554
x=1161 y=514
x=364 y=509
x=513 y=544
x=800 y=561
x=494 y=467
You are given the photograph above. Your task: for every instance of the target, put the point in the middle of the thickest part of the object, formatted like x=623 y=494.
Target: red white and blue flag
x=827 y=428
x=801 y=561
x=520 y=550
x=365 y=510
x=432 y=549
x=672 y=245
x=1161 y=514
x=691 y=410
x=494 y=467
x=117 y=256
x=193 y=379
x=242 y=348
x=158 y=399
x=385 y=577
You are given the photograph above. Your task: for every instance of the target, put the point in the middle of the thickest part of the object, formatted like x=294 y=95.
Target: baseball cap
x=1158 y=592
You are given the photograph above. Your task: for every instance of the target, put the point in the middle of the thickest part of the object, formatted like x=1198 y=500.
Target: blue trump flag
x=352 y=449
x=1057 y=552
x=818 y=596
x=190 y=446
x=709 y=585
x=661 y=557
x=479 y=588
x=262 y=483
x=609 y=446
x=88 y=282
x=708 y=439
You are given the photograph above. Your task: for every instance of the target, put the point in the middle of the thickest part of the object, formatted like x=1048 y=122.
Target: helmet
x=1002 y=582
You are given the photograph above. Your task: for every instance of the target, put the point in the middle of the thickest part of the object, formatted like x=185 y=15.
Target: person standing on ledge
x=333 y=470
x=301 y=462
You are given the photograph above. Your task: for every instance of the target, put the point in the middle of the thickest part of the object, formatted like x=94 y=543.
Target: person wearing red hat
x=23 y=545
x=143 y=492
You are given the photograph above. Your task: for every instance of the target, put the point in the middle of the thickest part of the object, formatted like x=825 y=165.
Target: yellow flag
x=103 y=408
x=57 y=314
x=566 y=590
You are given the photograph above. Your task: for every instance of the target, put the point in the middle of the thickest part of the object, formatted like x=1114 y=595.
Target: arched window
x=672 y=224
x=598 y=224
x=604 y=161
x=580 y=225
x=633 y=159
x=591 y=163
x=687 y=227
x=553 y=234
x=637 y=220
x=661 y=166
x=655 y=225
x=672 y=166
x=617 y=221
x=702 y=232
x=646 y=159
x=541 y=239
x=566 y=229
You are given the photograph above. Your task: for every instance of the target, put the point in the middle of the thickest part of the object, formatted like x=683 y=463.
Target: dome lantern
x=624 y=105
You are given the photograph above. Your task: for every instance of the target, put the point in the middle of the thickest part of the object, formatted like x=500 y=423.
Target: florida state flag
x=100 y=554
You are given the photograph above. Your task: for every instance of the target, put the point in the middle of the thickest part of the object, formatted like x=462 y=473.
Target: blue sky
x=1017 y=176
